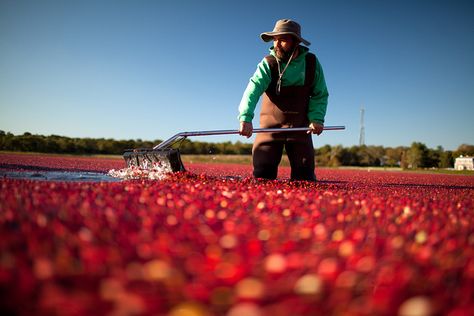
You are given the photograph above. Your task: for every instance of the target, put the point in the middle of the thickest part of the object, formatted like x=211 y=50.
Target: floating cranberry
x=215 y=241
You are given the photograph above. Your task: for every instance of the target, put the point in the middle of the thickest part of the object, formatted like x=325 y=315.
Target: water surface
x=85 y=176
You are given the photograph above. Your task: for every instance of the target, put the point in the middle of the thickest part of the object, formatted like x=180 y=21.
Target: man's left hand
x=316 y=128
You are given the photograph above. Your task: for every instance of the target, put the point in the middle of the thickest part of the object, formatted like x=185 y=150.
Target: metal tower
x=362 y=128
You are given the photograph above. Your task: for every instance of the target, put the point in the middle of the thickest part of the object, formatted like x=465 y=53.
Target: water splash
x=158 y=171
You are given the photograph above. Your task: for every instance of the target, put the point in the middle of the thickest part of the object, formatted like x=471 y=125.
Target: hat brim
x=268 y=36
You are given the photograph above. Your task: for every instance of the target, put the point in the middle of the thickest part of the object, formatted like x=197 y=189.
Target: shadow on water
x=11 y=166
x=52 y=174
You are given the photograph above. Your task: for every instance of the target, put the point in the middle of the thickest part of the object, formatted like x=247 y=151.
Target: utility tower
x=362 y=128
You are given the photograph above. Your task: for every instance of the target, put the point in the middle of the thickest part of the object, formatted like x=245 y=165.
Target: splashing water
x=158 y=171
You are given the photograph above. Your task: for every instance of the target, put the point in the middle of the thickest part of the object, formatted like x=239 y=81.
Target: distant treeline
x=107 y=146
x=418 y=155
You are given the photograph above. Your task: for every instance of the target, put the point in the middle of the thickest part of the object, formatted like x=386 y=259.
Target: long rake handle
x=171 y=140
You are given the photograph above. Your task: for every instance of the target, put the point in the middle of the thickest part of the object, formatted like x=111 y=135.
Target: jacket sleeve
x=319 y=97
x=258 y=83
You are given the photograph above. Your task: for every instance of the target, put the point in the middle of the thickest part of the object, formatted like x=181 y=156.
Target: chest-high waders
x=288 y=108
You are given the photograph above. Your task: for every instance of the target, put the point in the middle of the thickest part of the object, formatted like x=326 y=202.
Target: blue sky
x=149 y=69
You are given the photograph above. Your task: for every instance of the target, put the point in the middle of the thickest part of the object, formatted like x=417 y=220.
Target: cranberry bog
x=214 y=241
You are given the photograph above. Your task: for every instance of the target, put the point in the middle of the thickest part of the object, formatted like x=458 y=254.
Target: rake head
x=148 y=158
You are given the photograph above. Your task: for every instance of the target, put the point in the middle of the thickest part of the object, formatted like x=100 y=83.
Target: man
x=294 y=95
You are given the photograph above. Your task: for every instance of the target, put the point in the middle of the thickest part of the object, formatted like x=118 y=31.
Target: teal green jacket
x=293 y=76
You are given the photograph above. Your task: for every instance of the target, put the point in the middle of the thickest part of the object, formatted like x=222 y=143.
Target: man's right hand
x=246 y=129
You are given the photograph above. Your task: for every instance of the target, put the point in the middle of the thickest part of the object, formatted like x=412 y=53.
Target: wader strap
x=310 y=70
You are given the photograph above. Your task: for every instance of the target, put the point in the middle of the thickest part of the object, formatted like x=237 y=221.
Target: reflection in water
x=59 y=176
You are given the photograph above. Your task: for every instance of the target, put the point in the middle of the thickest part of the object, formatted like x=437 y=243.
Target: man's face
x=283 y=46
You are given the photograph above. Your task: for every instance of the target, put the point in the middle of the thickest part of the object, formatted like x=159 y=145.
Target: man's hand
x=315 y=128
x=246 y=129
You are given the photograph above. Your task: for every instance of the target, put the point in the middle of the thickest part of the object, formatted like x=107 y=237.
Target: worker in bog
x=294 y=91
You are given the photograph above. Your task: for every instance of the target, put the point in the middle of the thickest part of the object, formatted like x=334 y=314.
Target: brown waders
x=288 y=108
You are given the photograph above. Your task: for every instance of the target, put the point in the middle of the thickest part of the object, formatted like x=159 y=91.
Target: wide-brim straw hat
x=283 y=27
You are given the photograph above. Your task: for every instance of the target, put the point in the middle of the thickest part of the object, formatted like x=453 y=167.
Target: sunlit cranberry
x=215 y=241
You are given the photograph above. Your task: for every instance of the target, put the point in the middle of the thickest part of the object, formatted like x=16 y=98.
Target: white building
x=464 y=163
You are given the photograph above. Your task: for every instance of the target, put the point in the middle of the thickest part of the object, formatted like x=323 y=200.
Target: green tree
x=371 y=155
x=417 y=155
x=393 y=156
x=336 y=156
x=446 y=160
x=350 y=156
x=243 y=148
x=433 y=157
x=323 y=155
